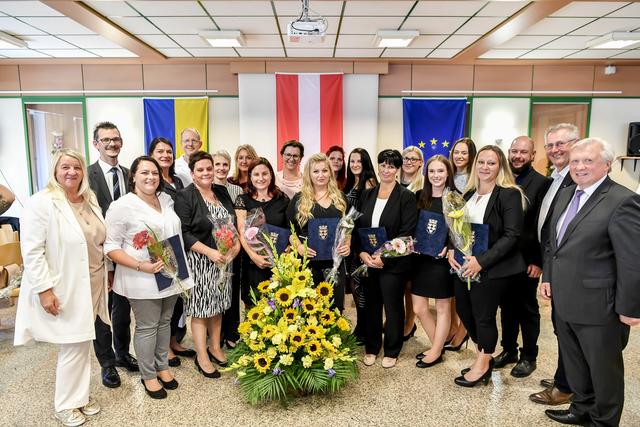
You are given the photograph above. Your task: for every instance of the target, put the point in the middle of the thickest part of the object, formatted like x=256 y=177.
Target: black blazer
x=399 y=218
x=505 y=216
x=173 y=192
x=544 y=231
x=534 y=186
x=98 y=184
x=193 y=213
x=594 y=271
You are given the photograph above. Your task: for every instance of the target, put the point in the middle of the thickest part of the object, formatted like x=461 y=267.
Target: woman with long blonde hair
x=245 y=155
x=319 y=198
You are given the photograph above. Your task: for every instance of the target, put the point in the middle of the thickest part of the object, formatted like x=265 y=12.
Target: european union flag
x=433 y=125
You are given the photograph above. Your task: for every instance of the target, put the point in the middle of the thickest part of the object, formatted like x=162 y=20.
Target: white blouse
x=126 y=217
x=477 y=207
x=377 y=212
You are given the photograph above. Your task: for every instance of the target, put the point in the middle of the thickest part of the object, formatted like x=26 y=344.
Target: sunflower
x=262 y=362
x=309 y=306
x=327 y=317
x=256 y=345
x=314 y=348
x=268 y=331
x=263 y=287
x=255 y=314
x=297 y=338
x=311 y=330
x=342 y=324
x=283 y=297
x=325 y=290
x=290 y=314
x=244 y=328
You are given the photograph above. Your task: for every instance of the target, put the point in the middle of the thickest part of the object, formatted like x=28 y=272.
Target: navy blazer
x=534 y=186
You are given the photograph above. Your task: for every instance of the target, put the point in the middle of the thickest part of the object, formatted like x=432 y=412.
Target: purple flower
x=236 y=381
x=272 y=304
x=277 y=371
x=331 y=373
x=296 y=303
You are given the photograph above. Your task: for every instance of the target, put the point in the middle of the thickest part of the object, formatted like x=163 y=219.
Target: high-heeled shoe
x=420 y=355
x=169 y=385
x=464 y=342
x=157 y=394
x=216 y=361
x=411 y=334
x=484 y=379
x=422 y=364
x=214 y=374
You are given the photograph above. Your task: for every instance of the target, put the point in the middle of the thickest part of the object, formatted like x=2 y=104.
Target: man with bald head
x=519 y=309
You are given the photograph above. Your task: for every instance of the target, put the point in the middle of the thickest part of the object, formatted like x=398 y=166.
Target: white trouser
x=73 y=374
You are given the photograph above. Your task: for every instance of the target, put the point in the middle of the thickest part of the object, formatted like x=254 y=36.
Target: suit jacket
x=504 y=215
x=194 y=215
x=171 y=191
x=99 y=185
x=399 y=218
x=544 y=231
x=594 y=271
x=534 y=186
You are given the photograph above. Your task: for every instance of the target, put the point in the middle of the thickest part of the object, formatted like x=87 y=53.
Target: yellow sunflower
x=290 y=314
x=263 y=287
x=262 y=362
x=325 y=290
x=314 y=348
x=255 y=314
x=327 y=317
x=283 y=297
x=256 y=345
x=268 y=331
x=343 y=324
x=244 y=328
x=297 y=338
x=309 y=306
x=311 y=330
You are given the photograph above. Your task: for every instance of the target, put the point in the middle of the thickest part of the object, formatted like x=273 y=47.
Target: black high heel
x=216 y=361
x=169 y=385
x=214 y=374
x=411 y=334
x=465 y=341
x=158 y=394
x=484 y=379
x=422 y=364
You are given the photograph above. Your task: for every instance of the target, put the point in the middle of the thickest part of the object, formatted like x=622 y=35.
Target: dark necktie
x=116 y=183
x=571 y=213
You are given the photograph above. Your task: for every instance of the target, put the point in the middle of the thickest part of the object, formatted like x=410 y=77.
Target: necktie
x=116 y=183
x=571 y=213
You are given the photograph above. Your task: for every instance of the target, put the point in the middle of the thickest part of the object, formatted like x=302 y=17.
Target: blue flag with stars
x=433 y=125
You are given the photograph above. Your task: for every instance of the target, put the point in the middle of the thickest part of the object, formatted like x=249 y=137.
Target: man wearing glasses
x=558 y=140
x=109 y=181
x=191 y=142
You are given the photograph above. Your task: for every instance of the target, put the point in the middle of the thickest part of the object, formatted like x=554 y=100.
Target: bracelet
x=138 y=266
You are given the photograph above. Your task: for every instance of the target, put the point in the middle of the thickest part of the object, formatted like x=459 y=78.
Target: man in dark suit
x=557 y=144
x=109 y=181
x=519 y=309
x=591 y=271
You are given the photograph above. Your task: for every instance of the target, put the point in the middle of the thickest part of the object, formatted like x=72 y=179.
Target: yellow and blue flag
x=168 y=117
x=433 y=125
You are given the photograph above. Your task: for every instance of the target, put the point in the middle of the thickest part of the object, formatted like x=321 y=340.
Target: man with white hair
x=592 y=273
x=191 y=142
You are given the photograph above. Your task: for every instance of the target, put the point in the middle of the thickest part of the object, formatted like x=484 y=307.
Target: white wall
x=257 y=113
x=13 y=153
x=389 y=125
x=360 y=112
x=610 y=119
x=224 y=124
x=499 y=120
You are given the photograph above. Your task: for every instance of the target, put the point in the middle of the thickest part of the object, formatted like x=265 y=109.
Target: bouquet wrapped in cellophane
x=343 y=234
x=459 y=225
x=255 y=233
x=394 y=248
x=226 y=236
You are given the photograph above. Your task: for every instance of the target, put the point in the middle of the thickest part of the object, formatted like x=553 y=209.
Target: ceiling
x=449 y=30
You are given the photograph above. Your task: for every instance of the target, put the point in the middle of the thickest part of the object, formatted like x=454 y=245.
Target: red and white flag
x=309 y=109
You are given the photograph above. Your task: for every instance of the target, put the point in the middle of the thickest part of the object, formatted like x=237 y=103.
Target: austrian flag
x=309 y=109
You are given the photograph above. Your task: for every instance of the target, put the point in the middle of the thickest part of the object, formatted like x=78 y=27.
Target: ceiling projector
x=307 y=29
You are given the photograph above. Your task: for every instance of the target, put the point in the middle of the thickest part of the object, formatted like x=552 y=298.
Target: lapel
x=62 y=205
x=527 y=180
x=490 y=203
x=389 y=212
x=103 y=188
x=598 y=195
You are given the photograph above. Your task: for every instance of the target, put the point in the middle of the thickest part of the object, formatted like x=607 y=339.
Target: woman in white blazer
x=64 y=283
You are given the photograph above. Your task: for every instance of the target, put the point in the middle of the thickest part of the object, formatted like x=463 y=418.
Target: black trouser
x=519 y=309
x=384 y=290
x=560 y=380
x=176 y=330
x=338 y=288
x=595 y=368
x=231 y=317
x=478 y=307
x=120 y=325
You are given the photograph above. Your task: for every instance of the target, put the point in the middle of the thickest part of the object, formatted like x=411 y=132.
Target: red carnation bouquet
x=226 y=236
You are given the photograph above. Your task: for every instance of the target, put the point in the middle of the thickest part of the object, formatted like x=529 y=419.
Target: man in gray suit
x=591 y=270
x=109 y=181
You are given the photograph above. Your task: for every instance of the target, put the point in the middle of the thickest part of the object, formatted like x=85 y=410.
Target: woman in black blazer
x=210 y=269
x=494 y=199
x=393 y=207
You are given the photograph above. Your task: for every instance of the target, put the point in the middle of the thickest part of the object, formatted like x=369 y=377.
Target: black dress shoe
x=129 y=362
x=214 y=374
x=174 y=361
x=523 y=368
x=452 y=347
x=484 y=379
x=564 y=416
x=110 y=377
x=422 y=364
x=420 y=355
x=216 y=361
x=169 y=385
x=158 y=394
x=505 y=358
x=411 y=334
x=465 y=370
x=185 y=353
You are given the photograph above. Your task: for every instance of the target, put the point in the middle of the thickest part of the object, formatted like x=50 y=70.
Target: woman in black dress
x=431 y=277
x=319 y=198
x=261 y=193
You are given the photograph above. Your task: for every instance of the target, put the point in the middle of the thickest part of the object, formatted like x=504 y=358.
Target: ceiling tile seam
x=48 y=34
x=401 y=24
x=563 y=35
x=454 y=33
x=158 y=28
x=275 y=16
x=338 y=34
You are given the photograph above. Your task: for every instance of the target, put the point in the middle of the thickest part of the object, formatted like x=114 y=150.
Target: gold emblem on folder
x=323 y=232
x=432 y=225
x=373 y=240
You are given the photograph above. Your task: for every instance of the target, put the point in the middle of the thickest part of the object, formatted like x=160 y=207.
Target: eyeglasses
x=559 y=144
x=288 y=156
x=106 y=141
x=411 y=160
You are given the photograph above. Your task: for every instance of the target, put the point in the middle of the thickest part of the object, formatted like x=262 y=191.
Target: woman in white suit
x=64 y=283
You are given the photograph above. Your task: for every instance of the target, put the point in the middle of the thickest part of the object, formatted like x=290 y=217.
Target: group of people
x=81 y=248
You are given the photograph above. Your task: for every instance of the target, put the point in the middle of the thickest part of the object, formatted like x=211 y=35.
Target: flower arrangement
x=255 y=233
x=394 y=248
x=459 y=225
x=292 y=341
x=343 y=234
x=225 y=235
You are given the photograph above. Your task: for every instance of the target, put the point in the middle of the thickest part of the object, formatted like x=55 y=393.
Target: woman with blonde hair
x=494 y=199
x=245 y=154
x=64 y=285
x=318 y=198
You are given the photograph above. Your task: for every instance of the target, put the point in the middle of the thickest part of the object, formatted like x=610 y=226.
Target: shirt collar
x=106 y=167
x=593 y=187
x=562 y=173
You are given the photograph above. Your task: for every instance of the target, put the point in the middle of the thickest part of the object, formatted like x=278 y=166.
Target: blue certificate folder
x=431 y=233
x=175 y=255
x=480 y=242
x=371 y=238
x=279 y=236
x=321 y=235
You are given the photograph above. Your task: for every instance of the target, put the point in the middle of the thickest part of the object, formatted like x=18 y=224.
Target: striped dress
x=211 y=294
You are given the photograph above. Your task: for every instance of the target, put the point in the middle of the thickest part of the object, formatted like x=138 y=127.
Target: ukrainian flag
x=168 y=117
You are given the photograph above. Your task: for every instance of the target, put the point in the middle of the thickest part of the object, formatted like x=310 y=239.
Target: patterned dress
x=211 y=294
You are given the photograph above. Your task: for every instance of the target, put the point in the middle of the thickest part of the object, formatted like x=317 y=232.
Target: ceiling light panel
x=444 y=53
x=168 y=8
x=17 y=28
x=358 y=53
x=91 y=42
x=57 y=25
x=606 y=25
x=547 y=54
x=309 y=53
x=376 y=8
x=239 y=8
x=159 y=40
x=27 y=8
x=556 y=26
x=596 y=54
x=614 y=40
x=113 y=53
x=223 y=39
x=502 y=8
x=324 y=8
x=213 y=52
x=394 y=39
x=434 y=25
x=447 y=8
x=136 y=25
x=260 y=53
x=458 y=41
x=183 y=25
x=480 y=25
x=526 y=42
x=112 y=8
x=248 y=24
x=503 y=53
x=369 y=24
x=405 y=53
x=588 y=9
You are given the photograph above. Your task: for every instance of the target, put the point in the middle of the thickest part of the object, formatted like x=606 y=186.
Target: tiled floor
x=402 y=396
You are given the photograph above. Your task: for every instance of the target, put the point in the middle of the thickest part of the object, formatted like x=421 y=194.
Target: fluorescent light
x=614 y=40
x=388 y=38
x=11 y=42
x=223 y=38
